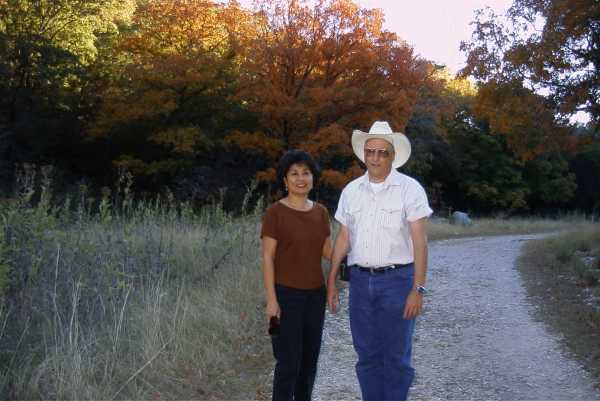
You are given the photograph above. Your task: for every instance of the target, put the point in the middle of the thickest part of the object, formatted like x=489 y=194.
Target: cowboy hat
x=382 y=130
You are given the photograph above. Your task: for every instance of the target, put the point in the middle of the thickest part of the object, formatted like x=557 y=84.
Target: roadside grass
x=116 y=299
x=145 y=300
x=562 y=276
x=439 y=228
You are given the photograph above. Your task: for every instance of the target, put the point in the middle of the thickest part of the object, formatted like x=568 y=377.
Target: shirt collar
x=394 y=178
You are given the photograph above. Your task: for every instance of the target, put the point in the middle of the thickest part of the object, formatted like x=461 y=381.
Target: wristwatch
x=420 y=289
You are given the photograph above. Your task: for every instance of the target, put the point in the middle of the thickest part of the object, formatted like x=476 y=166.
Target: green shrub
x=585 y=275
x=563 y=254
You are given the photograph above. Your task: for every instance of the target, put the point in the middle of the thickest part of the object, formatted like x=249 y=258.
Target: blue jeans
x=382 y=337
x=296 y=348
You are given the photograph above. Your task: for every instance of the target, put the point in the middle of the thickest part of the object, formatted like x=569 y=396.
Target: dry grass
x=441 y=229
x=561 y=274
x=148 y=302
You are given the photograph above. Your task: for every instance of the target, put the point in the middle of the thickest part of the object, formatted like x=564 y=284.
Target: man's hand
x=414 y=305
x=418 y=234
x=333 y=297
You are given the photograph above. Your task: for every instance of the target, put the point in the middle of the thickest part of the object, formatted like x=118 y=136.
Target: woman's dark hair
x=296 y=156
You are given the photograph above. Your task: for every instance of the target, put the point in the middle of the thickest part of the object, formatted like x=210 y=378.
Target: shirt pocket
x=354 y=216
x=393 y=217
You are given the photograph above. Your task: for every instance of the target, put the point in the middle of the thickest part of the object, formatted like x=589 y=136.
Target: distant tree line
x=198 y=96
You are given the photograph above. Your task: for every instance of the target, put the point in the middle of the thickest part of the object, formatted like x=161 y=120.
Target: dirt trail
x=477 y=340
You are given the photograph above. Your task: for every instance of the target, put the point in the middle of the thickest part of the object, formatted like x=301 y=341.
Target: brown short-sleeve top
x=300 y=238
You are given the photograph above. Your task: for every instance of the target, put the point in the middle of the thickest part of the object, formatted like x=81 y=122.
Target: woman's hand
x=272 y=309
x=333 y=297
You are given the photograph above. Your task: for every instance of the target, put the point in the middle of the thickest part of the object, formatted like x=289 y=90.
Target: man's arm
x=340 y=249
x=418 y=233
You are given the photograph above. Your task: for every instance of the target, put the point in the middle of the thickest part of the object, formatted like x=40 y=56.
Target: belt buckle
x=377 y=270
x=369 y=269
x=387 y=268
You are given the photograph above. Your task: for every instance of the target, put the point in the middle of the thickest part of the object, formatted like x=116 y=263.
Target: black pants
x=296 y=348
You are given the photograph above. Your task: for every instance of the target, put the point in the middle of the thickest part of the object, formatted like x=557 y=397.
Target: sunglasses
x=383 y=153
x=274 y=326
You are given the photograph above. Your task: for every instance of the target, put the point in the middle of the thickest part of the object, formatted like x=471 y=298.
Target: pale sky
x=434 y=28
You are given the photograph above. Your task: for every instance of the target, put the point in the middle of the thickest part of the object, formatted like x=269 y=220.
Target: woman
x=295 y=236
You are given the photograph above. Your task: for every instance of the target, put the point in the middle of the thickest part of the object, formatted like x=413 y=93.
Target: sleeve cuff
x=419 y=214
x=340 y=218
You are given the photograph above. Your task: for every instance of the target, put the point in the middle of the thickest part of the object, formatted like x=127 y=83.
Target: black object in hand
x=274 y=326
x=344 y=270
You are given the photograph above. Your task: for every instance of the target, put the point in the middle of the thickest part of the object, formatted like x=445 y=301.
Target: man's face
x=379 y=155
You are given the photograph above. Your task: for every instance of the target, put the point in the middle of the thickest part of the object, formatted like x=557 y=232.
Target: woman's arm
x=269 y=245
x=327 y=248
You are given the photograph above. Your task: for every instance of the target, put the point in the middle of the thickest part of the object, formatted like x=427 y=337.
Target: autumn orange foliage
x=176 y=49
x=521 y=115
x=317 y=70
x=177 y=58
x=255 y=143
x=337 y=179
x=310 y=72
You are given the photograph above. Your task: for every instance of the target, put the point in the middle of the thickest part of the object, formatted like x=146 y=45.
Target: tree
x=550 y=46
x=480 y=173
x=522 y=116
x=167 y=101
x=46 y=48
x=586 y=166
x=441 y=100
x=317 y=70
x=44 y=44
x=550 y=182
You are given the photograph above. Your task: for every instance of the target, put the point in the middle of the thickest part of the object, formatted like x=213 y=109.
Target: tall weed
x=118 y=299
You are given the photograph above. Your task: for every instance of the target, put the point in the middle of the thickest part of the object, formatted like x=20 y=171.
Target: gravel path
x=476 y=340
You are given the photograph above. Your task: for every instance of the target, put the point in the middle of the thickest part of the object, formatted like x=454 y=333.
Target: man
x=382 y=218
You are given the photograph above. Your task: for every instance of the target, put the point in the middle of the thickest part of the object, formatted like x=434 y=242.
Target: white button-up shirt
x=378 y=221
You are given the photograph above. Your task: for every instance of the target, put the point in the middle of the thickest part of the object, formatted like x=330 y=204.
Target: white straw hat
x=382 y=130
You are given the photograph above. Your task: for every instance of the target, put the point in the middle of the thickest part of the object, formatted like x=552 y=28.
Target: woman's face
x=299 y=179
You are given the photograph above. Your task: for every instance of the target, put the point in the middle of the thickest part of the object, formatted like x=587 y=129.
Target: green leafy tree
x=479 y=173
x=46 y=48
x=550 y=182
x=464 y=162
x=585 y=164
